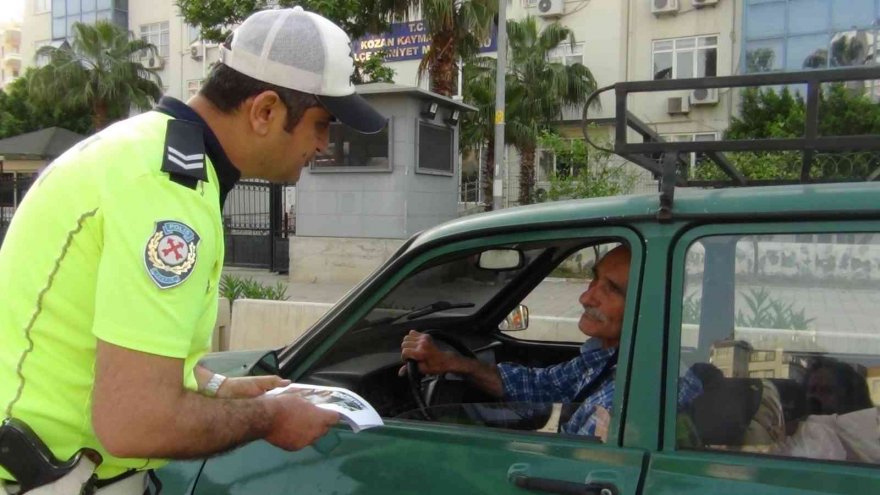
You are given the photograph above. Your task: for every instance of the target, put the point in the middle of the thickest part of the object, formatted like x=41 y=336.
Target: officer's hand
x=420 y=348
x=297 y=422
x=249 y=386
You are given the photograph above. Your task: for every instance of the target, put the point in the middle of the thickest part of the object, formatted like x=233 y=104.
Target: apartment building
x=10 y=52
x=619 y=40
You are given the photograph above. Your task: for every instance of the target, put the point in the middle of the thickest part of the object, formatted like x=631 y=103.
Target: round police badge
x=170 y=255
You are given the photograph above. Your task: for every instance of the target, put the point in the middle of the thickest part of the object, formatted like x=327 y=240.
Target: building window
x=194 y=34
x=762 y=374
x=796 y=34
x=157 y=34
x=349 y=150
x=192 y=87
x=42 y=6
x=435 y=149
x=762 y=356
x=684 y=58
x=567 y=54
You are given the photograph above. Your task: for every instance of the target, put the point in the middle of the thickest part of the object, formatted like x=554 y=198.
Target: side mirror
x=266 y=365
x=517 y=320
x=501 y=259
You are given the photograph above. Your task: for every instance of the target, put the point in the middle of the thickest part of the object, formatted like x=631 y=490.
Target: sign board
x=405 y=41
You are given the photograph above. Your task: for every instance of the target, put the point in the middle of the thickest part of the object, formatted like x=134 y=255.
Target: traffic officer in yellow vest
x=109 y=271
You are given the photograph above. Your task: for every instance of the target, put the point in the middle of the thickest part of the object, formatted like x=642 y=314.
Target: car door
x=765 y=315
x=408 y=456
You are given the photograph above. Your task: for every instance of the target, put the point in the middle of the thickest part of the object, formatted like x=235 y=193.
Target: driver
x=587 y=379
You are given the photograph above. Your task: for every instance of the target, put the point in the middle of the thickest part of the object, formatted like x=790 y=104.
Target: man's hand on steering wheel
x=420 y=348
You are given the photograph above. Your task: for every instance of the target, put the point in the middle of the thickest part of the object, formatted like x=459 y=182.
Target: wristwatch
x=213 y=385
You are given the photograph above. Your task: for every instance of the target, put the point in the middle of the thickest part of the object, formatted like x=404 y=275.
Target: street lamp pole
x=500 y=72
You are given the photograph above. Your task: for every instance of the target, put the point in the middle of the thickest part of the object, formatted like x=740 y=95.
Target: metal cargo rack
x=663 y=158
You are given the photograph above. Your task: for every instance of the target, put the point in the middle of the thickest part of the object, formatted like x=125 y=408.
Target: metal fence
x=12 y=190
x=257 y=226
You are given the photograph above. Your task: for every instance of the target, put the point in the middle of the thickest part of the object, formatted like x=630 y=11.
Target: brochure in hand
x=352 y=408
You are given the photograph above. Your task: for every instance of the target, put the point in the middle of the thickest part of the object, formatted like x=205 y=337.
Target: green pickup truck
x=770 y=295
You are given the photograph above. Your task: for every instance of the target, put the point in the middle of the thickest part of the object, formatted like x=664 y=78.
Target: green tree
x=582 y=171
x=214 y=18
x=19 y=113
x=457 y=29
x=99 y=69
x=768 y=113
x=478 y=128
x=542 y=89
x=372 y=69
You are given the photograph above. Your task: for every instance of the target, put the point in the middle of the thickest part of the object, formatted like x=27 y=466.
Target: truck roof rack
x=662 y=158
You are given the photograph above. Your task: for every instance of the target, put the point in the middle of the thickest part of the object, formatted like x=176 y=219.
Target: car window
x=782 y=332
x=456 y=279
x=553 y=304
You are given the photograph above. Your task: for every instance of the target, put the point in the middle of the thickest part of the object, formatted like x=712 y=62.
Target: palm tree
x=457 y=28
x=99 y=69
x=542 y=89
x=478 y=128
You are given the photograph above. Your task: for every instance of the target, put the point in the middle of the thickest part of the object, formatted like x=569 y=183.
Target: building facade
x=618 y=40
x=10 y=53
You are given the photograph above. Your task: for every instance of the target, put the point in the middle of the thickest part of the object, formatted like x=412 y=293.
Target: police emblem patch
x=170 y=255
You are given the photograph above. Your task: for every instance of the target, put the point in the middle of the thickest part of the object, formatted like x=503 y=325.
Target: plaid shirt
x=562 y=382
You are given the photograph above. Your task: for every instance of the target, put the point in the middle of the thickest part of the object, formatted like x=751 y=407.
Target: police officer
x=109 y=271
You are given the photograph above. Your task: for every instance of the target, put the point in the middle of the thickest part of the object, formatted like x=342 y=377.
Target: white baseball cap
x=301 y=50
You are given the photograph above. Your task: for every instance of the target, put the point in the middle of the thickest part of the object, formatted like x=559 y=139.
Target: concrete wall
x=36 y=29
x=388 y=204
x=336 y=259
x=722 y=20
x=259 y=324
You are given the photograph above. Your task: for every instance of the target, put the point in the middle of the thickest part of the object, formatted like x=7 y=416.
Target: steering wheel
x=415 y=376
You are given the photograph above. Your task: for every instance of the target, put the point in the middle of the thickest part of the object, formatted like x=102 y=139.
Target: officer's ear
x=265 y=111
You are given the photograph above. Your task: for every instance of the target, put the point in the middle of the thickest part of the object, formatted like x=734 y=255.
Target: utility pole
x=500 y=73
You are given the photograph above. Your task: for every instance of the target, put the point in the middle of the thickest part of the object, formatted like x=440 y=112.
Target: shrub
x=232 y=288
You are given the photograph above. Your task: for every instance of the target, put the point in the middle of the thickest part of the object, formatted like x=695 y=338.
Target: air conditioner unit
x=677 y=105
x=195 y=51
x=660 y=7
x=551 y=8
x=699 y=4
x=153 y=62
x=704 y=96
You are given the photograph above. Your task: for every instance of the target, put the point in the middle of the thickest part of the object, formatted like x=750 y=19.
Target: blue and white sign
x=405 y=41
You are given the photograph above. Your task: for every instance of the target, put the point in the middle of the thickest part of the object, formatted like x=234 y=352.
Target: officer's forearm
x=141 y=409
x=194 y=426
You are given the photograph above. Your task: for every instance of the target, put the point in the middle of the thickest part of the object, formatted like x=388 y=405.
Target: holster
x=27 y=458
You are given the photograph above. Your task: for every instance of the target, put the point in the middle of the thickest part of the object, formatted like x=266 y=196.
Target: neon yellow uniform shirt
x=106 y=246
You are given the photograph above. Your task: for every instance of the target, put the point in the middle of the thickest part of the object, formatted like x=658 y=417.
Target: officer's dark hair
x=227 y=89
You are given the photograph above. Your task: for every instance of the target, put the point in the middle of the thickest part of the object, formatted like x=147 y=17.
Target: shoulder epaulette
x=184 y=157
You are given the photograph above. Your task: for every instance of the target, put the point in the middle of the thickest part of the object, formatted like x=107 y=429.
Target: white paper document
x=352 y=408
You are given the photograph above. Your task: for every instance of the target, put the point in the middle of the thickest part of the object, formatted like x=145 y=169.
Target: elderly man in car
x=586 y=382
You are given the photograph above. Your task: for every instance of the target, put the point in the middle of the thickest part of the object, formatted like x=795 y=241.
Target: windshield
x=456 y=280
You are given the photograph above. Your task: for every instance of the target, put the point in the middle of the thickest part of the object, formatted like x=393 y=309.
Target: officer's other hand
x=297 y=422
x=247 y=387
x=421 y=348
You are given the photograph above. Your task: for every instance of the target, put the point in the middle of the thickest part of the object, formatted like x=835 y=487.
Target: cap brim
x=354 y=111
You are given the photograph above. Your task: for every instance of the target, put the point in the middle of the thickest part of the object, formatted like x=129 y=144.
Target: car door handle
x=562 y=487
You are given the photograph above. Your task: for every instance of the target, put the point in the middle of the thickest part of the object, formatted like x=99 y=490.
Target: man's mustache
x=595 y=314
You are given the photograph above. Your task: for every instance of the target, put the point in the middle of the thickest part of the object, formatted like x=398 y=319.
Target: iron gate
x=13 y=187
x=256 y=226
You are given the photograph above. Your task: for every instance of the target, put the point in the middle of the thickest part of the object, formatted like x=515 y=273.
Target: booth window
x=435 y=149
x=350 y=150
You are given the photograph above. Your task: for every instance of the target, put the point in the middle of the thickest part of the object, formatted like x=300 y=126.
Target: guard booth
x=358 y=202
